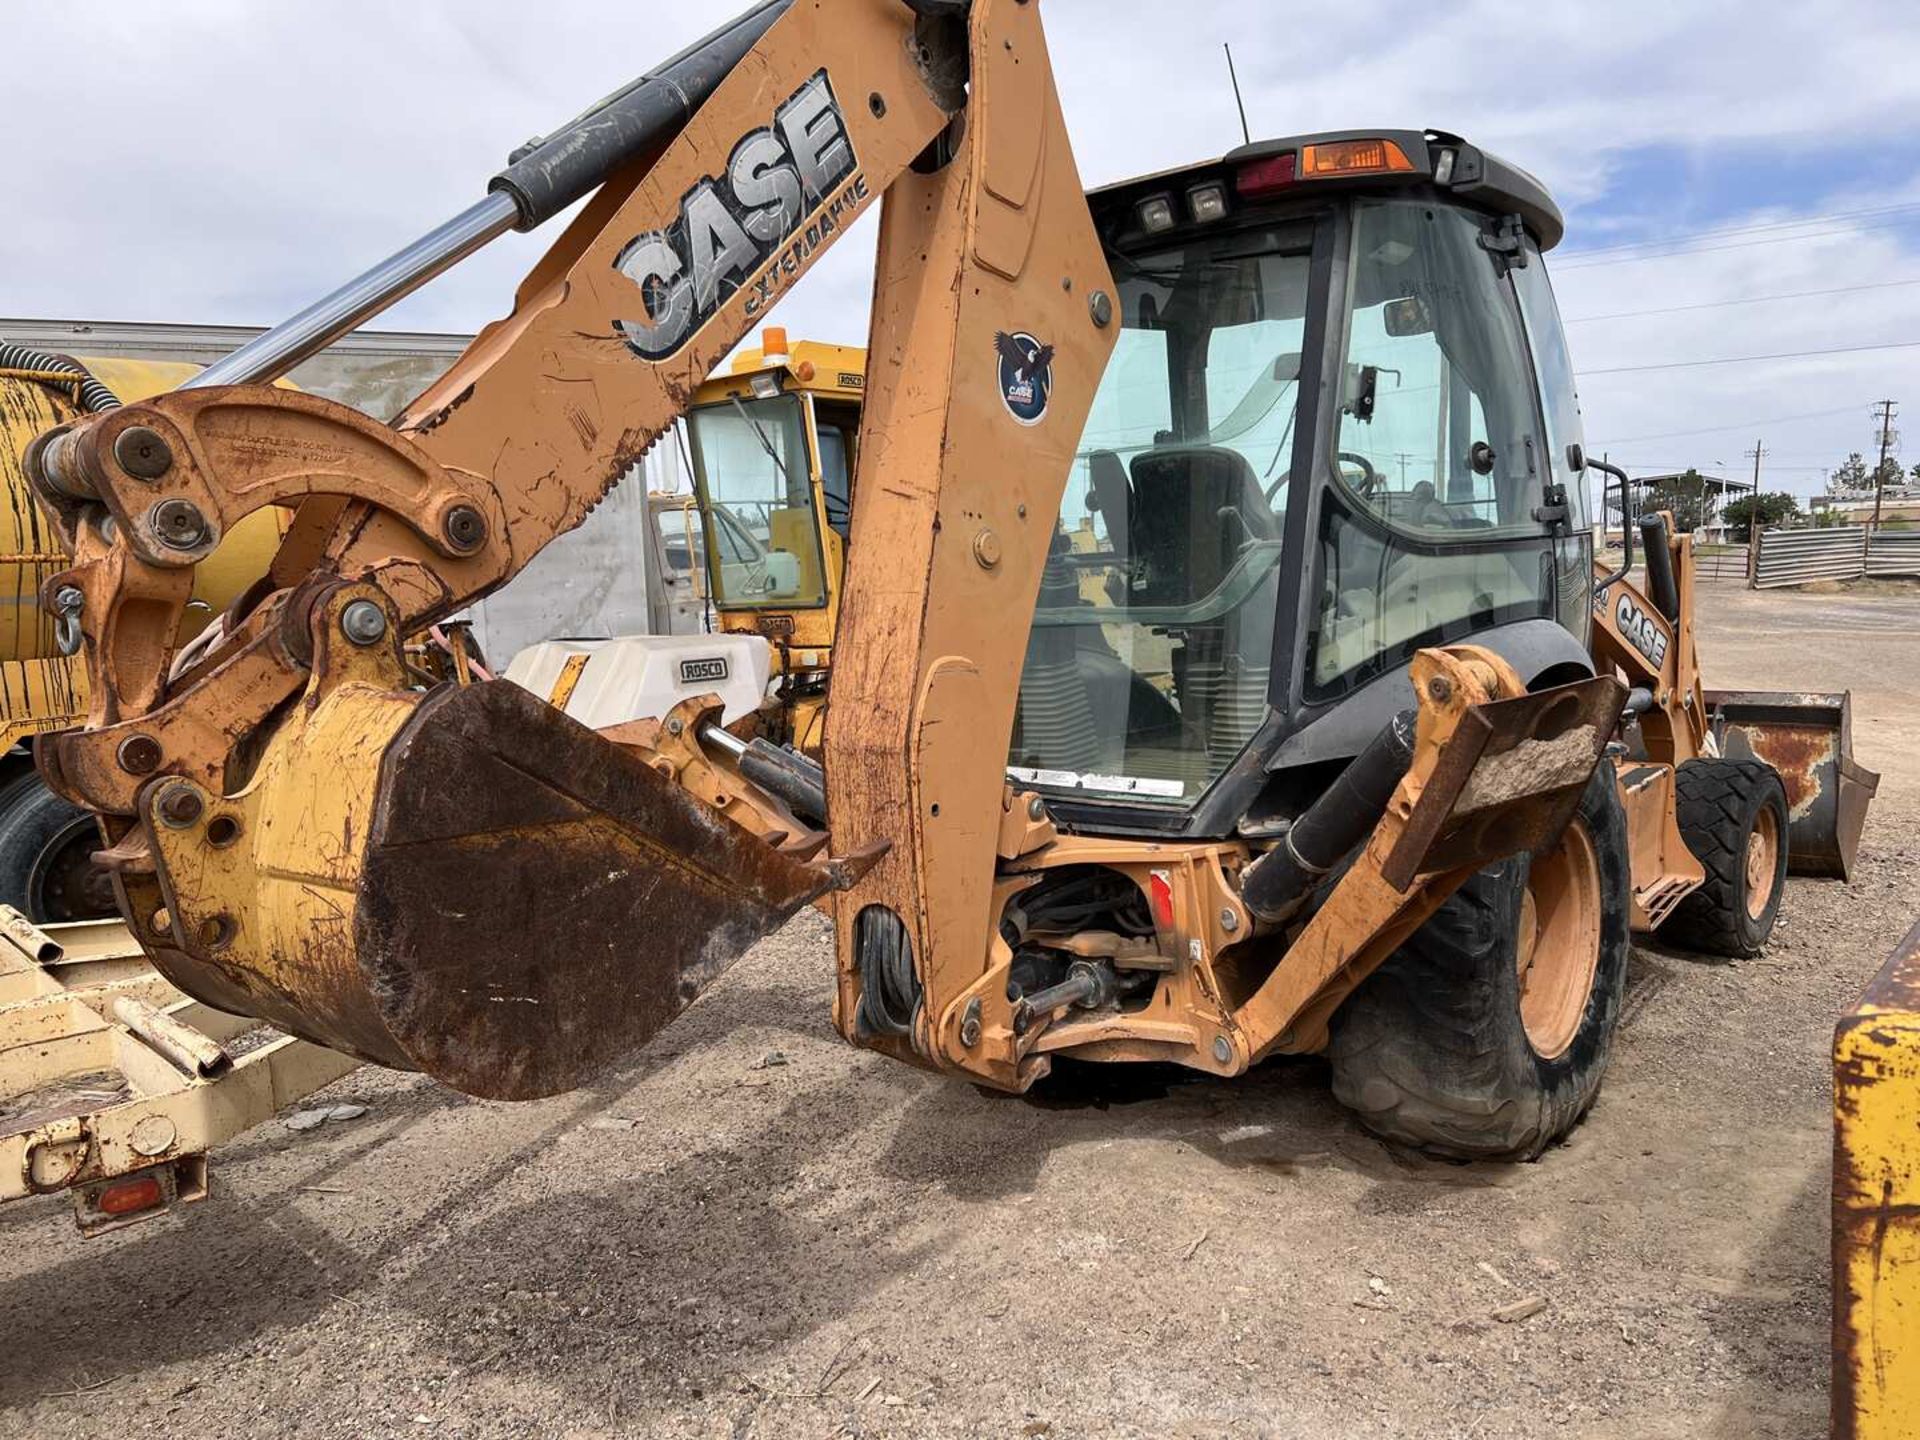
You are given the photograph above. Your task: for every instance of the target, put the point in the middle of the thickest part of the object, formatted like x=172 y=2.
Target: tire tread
x=1714 y=802
x=1430 y=1051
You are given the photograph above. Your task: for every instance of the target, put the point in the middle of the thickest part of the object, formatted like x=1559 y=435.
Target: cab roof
x=1433 y=160
x=809 y=365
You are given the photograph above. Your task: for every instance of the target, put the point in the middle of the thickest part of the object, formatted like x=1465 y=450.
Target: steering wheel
x=1369 y=477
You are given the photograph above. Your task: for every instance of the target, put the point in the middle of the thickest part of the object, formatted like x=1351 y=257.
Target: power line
x=1744 y=300
x=1751 y=359
x=1742 y=425
x=1713 y=232
x=1677 y=466
x=1683 y=250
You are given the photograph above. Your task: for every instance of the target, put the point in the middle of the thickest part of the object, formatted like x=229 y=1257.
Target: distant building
x=1899 y=508
x=589 y=583
x=1718 y=491
x=375 y=371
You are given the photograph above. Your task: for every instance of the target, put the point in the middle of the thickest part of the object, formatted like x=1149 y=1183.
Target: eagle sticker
x=1026 y=375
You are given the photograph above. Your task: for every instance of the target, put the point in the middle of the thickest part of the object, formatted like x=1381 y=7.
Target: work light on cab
x=1156 y=214
x=1207 y=202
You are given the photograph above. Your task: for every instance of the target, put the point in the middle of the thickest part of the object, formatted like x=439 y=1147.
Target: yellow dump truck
x=45 y=843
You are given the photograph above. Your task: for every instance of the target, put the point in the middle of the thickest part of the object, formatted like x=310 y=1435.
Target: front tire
x=1486 y=1035
x=1733 y=816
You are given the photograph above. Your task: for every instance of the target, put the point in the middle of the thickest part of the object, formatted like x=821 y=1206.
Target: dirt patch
x=715 y=1245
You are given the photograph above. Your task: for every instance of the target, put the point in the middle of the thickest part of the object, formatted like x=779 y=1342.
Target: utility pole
x=1886 y=412
x=1758 y=452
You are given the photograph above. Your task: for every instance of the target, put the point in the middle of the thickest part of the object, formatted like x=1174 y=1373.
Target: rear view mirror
x=1408 y=316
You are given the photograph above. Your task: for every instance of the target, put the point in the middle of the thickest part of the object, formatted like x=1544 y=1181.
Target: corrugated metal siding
x=1894 y=552
x=1794 y=557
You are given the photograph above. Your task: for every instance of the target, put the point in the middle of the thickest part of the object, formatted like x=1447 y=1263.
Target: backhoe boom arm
x=454 y=883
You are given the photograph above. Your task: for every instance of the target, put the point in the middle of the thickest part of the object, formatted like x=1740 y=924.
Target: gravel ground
x=713 y=1245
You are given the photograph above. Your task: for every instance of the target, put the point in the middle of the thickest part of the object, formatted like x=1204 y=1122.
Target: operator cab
x=1339 y=425
x=771 y=447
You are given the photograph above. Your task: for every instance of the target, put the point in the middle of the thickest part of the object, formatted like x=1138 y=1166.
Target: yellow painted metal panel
x=1876 y=1207
x=40 y=690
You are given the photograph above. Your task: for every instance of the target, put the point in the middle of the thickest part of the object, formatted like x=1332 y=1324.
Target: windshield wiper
x=765 y=444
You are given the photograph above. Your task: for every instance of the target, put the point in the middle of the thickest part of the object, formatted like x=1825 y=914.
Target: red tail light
x=1160 y=892
x=130 y=1195
x=1260 y=178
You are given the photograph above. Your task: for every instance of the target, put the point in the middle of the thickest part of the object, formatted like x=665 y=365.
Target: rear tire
x=1486 y=1035
x=46 y=850
x=1733 y=816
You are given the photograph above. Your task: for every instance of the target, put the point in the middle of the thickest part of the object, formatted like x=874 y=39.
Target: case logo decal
x=787 y=189
x=1026 y=375
x=1646 y=634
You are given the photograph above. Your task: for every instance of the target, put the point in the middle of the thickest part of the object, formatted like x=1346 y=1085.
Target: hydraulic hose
x=45 y=365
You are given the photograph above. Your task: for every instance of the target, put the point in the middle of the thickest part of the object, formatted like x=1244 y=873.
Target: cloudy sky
x=223 y=161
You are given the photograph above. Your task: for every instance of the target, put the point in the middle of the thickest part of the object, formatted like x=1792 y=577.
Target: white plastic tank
x=641 y=677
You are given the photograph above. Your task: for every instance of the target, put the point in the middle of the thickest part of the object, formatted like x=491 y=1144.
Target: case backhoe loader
x=1303 y=753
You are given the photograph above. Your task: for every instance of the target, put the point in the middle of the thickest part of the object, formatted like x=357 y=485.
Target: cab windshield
x=1147 y=666
x=1432 y=532
x=751 y=473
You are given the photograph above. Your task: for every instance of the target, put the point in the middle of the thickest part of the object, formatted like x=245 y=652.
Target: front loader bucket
x=474 y=886
x=1808 y=738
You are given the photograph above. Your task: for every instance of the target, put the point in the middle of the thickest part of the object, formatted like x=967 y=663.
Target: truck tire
x=1485 y=1036
x=1733 y=816
x=46 y=853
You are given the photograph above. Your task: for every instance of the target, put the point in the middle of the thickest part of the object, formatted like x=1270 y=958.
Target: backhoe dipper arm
x=466 y=882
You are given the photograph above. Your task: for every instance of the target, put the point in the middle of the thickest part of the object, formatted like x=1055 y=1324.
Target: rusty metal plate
x=537 y=903
x=1808 y=739
x=1509 y=779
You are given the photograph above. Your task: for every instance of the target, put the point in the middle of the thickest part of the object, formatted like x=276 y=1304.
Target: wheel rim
x=64 y=883
x=1559 y=948
x=1763 y=862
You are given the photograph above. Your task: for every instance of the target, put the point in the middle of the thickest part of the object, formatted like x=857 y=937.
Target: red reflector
x=1263 y=177
x=131 y=1195
x=1160 y=892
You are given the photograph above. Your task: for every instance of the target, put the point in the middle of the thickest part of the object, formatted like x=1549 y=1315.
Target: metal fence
x=1894 y=552
x=1842 y=552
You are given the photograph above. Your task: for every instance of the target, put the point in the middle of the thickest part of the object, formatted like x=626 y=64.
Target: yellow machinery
x=46 y=843
x=77 y=995
x=1876 y=1206
x=772 y=445
x=1291 y=751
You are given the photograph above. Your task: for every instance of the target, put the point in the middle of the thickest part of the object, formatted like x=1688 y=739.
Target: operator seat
x=1195 y=506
